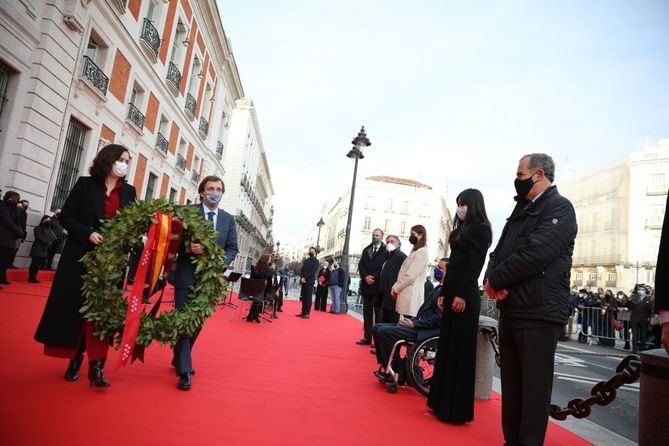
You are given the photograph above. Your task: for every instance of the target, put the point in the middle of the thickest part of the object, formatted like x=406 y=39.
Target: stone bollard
x=654 y=398
x=485 y=361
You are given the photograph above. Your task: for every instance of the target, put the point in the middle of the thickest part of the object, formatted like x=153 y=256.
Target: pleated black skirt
x=452 y=387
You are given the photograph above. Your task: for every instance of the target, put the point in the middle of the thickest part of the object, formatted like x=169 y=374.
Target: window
x=173 y=195
x=592 y=279
x=150 y=187
x=405 y=207
x=403 y=228
x=4 y=81
x=136 y=103
x=389 y=205
x=69 y=163
x=369 y=203
x=386 y=226
x=368 y=224
x=177 y=43
x=612 y=279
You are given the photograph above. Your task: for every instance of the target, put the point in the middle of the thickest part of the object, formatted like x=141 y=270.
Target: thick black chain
x=602 y=394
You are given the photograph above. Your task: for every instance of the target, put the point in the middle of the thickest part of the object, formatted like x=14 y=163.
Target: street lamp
x=319 y=225
x=637 y=266
x=360 y=142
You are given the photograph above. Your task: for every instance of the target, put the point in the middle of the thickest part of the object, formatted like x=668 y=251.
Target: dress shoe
x=4 y=282
x=372 y=345
x=372 y=351
x=95 y=374
x=363 y=342
x=305 y=316
x=72 y=372
x=279 y=310
x=299 y=315
x=184 y=382
x=33 y=281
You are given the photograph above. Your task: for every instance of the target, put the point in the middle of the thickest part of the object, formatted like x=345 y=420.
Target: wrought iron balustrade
x=219 y=150
x=204 y=126
x=95 y=75
x=150 y=36
x=191 y=103
x=135 y=116
x=161 y=143
x=174 y=75
x=195 y=177
x=181 y=162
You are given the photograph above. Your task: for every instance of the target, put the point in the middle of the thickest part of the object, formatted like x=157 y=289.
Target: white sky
x=451 y=92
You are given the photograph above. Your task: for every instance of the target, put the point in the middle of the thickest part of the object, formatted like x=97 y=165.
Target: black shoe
x=95 y=374
x=299 y=315
x=184 y=382
x=4 y=282
x=279 y=310
x=33 y=281
x=372 y=351
x=372 y=345
x=305 y=316
x=363 y=342
x=72 y=372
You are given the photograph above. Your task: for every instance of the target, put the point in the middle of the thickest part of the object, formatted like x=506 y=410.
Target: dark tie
x=210 y=217
x=374 y=251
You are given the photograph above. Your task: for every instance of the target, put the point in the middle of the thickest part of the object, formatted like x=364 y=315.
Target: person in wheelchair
x=428 y=318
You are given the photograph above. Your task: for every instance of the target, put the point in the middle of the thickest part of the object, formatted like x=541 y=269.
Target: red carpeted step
x=21 y=275
x=290 y=382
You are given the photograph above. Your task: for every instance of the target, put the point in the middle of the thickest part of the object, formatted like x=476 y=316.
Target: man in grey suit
x=211 y=191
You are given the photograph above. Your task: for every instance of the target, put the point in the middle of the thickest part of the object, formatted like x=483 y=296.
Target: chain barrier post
x=485 y=358
x=654 y=398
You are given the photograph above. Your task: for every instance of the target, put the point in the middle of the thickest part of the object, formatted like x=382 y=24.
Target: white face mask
x=120 y=169
x=461 y=212
x=390 y=247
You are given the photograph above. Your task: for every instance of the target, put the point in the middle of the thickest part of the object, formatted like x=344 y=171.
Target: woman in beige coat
x=409 y=289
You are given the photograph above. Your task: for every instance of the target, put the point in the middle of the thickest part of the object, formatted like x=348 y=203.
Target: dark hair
x=380 y=230
x=262 y=263
x=44 y=217
x=105 y=159
x=11 y=194
x=476 y=212
x=399 y=242
x=207 y=179
x=445 y=260
x=420 y=229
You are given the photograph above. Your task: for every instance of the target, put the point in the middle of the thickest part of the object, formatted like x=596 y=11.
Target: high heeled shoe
x=95 y=374
x=72 y=372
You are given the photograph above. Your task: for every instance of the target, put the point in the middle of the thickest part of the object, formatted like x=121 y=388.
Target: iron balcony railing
x=135 y=116
x=150 y=36
x=195 y=177
x=174 y=75
x=95 y=75
x=161 y=143
x=181 y=162
x=219 y=150
x=191 y=103
x=204 y=126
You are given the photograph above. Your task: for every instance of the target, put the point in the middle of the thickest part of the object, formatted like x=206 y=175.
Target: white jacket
x=410 y=284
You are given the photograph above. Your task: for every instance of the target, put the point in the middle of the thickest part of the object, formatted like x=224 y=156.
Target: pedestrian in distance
x=307 y=279
x=10 y=232
x=335 y=287
x=44 y=237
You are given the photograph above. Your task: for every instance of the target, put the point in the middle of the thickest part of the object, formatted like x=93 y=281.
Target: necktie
x=210 y=217
x=374 y=251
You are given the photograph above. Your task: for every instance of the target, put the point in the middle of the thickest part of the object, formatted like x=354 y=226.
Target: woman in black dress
x=261 y=270
x=452 y=387
x=62 y=329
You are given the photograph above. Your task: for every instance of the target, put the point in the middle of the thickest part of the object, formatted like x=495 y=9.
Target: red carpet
x=292 y=382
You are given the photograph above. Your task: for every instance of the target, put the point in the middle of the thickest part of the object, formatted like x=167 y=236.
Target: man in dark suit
x=387 y=278
x=369 y=267
x=662 y=279
x=307 y=278
x=528 y=274
x=426 y=322
x=10 y=232
x=211 y=191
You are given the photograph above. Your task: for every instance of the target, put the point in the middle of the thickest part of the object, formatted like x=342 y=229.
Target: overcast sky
x=452 y=93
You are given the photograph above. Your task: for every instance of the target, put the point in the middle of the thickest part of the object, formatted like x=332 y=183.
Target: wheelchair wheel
x=420 y=365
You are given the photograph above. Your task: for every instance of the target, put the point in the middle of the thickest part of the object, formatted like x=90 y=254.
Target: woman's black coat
x=44 y=236
x=80 y=216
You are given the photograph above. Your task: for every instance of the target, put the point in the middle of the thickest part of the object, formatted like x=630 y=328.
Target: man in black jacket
x=10 y=232
x=662 y=279
x=369 y=267
x=307 y=278
x=528 y=274
x=388 y=277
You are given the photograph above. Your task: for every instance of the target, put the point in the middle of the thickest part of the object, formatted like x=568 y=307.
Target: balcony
x=611 y=284
x=121 y=5
x=151 y=39
x=173 y=78
x=195 y=177
x=135 y=117
x=657 y=189
x=653 y=223
x=181 y=163
x=162 y=144
x=95 y=76
x=204 y=127
x=191 y=103
x=219 y=150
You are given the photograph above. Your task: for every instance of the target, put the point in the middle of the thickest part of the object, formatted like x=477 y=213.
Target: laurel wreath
x=105 y=267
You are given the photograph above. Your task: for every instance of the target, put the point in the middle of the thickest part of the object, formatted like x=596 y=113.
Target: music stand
x=231 y=277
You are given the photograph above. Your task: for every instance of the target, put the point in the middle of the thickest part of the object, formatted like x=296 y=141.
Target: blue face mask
x=438 y=274
x=641 y=293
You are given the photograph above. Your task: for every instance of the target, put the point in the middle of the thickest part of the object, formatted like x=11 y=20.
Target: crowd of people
x=49 y=236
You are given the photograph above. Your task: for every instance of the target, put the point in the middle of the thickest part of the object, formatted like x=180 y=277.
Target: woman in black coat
x=321 y=301
x=452 y=387
x=44 y=237
x=62 y=329
x=261 y=271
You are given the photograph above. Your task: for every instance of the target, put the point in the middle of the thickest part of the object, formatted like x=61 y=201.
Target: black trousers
x=279 y=299
x=306 y=295
x=53 y=249
x=390 y=317
x=368 y=314
x=385 y=336
x=527 y=349
x=321 y=301
x=35 y=265
x=5 y=260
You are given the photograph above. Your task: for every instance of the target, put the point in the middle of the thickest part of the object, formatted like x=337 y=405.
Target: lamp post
x=637 y=266
x=360 y=142
x=319 y=225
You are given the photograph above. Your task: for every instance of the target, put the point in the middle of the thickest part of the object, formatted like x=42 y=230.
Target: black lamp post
x=320 y=224
x=360 y=142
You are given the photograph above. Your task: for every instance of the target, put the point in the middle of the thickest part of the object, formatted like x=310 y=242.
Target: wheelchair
x=417 y=365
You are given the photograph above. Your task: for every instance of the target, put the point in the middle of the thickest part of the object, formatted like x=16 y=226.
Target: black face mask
x=523 y=187
x=311 y=254
x=413 y=239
